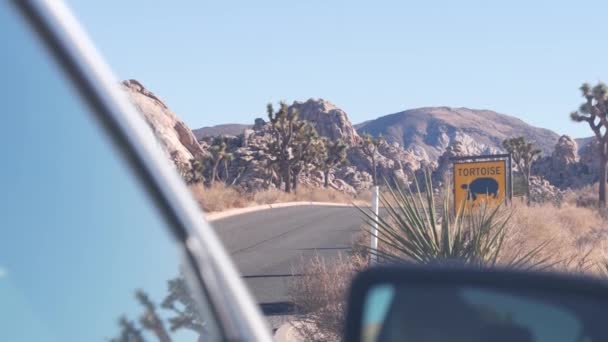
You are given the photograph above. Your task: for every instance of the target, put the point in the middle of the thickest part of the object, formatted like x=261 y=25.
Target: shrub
x=322 y=195
x=272 y=196
x=578 y=235
x=320 y=296
x=418 y=230
x=586 y=196
x=218 y=197
x=304 y=194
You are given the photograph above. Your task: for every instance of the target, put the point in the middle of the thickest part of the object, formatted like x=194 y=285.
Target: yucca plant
x=416 y=229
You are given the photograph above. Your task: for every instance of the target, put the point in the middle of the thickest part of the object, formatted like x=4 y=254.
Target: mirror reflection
x=176 y=312
x=451 y=313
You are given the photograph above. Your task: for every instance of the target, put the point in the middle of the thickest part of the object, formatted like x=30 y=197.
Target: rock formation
x=462 y=146
x=249 y=168
x=225 y=129
x=173 y=135
x=563 y=167
x=433 y=129
x=441 y=139
x=565 y=152
x=329 y=120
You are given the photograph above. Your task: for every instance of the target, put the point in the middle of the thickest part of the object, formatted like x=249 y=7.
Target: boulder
x=565 y=152
x=329 y=120
x=176 y=139
x=564 y=168
x=359 y=180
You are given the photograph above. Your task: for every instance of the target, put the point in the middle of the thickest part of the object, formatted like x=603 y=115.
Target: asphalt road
x=266 y=245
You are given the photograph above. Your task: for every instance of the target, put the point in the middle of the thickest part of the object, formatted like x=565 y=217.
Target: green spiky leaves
x=413 y=228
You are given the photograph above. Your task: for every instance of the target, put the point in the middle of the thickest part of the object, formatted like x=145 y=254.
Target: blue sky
x=217 y=62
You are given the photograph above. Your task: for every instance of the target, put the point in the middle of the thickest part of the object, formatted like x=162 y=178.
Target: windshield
x=84 y=254
x=321 y=138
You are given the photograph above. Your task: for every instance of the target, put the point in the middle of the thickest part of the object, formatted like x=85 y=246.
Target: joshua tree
x=284 y=127
x=150 y=319
x=523 y=154
x=183 y=306
x=228 y=157
x=307 y=150
x=334 y=155
x=594 y=111
x=128 y=332
x=369 y=145
x=178 y=301
x=270 y=168
x=218 y=153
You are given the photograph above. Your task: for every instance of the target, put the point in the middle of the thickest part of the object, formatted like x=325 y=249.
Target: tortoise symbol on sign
x=481 y=186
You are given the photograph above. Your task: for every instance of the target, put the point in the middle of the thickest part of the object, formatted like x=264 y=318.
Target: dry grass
x=364 y=196
x=271 y=196
x=586 y=196
x=577 y=239
x=577 y=235
x=320 y=296
x=304 y=194
x=220 y=197
x=578 y=231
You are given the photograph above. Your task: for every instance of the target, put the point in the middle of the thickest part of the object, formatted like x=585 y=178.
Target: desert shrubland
x=576 y=235
x=570 y=238
x=219 y=197
x=320 y=295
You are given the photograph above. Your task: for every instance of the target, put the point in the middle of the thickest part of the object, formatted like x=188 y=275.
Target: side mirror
x=469 y=305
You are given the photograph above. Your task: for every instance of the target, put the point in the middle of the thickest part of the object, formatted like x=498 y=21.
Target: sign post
x=481 y=181
x=374 y=232
x=510 y=179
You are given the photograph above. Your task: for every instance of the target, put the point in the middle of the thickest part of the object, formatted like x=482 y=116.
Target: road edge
x=214 y=216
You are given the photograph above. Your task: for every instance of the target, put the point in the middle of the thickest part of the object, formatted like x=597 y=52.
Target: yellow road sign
x=479 y=182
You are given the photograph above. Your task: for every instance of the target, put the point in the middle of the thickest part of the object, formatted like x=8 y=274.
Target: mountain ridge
x=430 y=136
x=433 y=128
x=436 y=128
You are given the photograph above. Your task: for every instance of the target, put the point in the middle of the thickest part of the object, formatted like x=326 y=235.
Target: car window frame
x=238 y=316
